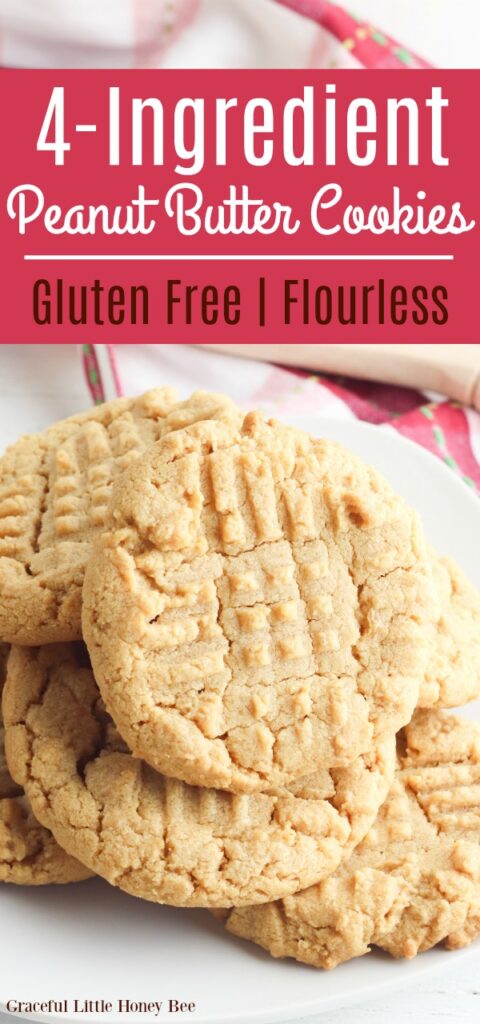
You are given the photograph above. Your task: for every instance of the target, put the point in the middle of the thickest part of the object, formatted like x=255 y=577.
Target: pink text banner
x=239 y=206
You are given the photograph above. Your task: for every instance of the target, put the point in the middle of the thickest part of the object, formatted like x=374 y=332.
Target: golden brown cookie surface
x=158 y=838
x=415 y=879
x=256 y=610
x=29 y=854
x=54 y=490
x=452 y=675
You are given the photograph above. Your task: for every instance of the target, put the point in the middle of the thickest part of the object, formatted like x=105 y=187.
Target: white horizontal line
x=86 y=127
x=255 y=258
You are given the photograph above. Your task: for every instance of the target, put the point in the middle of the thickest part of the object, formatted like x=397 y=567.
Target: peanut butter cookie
x=452 y=675
x=29 y=854
x=256 y=609
x=158 y=838
x=415 y=879
x=54 y=490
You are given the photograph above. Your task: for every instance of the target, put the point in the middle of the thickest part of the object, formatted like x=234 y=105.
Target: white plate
x=90 y=941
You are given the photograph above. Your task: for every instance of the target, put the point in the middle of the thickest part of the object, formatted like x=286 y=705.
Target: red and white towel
x=90 y=33
x=153 y=33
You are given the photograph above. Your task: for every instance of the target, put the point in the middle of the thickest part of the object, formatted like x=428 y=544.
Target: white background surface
x=446 y=32
x=39 y=384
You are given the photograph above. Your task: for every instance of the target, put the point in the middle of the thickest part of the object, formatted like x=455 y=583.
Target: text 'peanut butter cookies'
x=158 y=838
x=256 y=610
x=29 y=855
x=452 y=676
x=54 y=491
x=415 y=879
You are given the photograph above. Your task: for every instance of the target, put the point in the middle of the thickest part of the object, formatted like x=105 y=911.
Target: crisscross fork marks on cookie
x=82 y=469
x=310 y=638
x=276 y=644
x=449 y=796
x=414 y=881
x=54 y=493
x=263 y=645
x=159 y=838
x=23 y=486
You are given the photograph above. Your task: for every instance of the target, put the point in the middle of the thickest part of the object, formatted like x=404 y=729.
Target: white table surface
x=41 y=383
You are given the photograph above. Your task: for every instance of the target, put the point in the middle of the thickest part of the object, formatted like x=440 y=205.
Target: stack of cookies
x=227 y=654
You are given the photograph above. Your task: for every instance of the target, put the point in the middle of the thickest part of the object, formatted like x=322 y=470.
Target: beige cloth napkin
x=453 y=370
